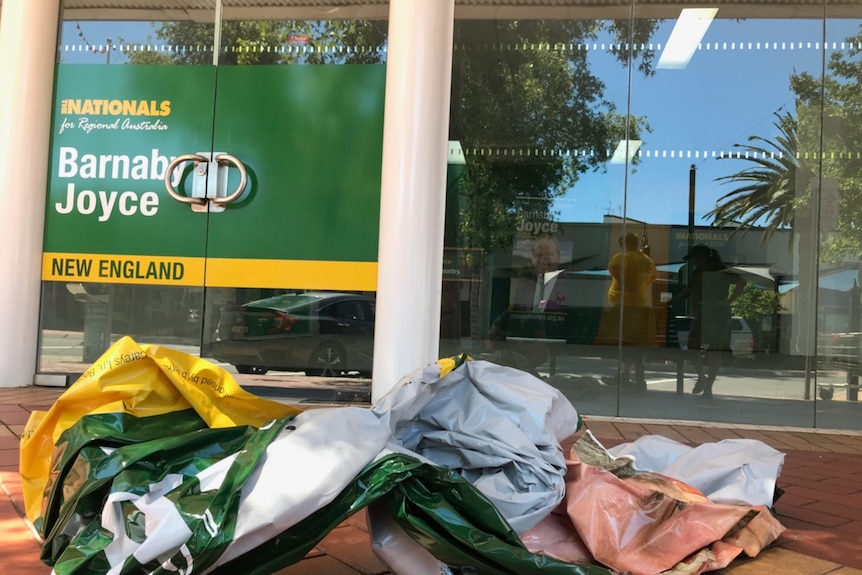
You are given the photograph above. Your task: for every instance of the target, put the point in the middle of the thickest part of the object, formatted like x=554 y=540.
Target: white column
x=415 y=135
x=28 y=47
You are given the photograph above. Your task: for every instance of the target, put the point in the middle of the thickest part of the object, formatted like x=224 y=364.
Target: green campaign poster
x=309 y=137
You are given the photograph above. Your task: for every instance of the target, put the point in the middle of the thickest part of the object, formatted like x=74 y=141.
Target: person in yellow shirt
x=633 y=273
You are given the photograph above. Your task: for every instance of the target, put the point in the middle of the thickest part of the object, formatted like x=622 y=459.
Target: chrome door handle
x=199 y=161
x=209 y=181
x=225 y=160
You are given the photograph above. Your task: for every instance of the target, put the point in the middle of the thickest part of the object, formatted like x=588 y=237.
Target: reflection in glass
x=672 y=157
x=242 y=42
x=325 y=334
x=840 y=222
x=81 y=320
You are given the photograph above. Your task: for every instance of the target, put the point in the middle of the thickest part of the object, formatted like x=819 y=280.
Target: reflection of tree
x=530 y=113
x=523 y=92
x=755 y=304
x=262 y=42
x=816 y=150
x=775 y=189
x=769 y=187
x=836 y=99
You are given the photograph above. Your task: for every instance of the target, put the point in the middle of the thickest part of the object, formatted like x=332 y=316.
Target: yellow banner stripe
x=218 y=272
x=295 y=274
x=123 y=269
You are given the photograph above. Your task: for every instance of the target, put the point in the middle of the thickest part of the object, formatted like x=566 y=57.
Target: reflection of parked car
x=741 y=337
x=319 y=333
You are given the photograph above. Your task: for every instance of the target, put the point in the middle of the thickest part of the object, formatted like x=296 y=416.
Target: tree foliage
x=264 y=42
x=756 y=303
x=836 y=98
x=820 y=149
x=532 y=116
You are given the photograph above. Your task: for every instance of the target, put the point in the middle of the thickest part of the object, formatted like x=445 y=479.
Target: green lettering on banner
x=71 y=267
x=138 y=270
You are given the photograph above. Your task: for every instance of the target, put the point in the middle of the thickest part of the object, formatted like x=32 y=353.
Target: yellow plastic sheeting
x=140 y=380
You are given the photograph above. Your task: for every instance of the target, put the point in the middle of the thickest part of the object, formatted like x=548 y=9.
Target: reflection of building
x=588 y=247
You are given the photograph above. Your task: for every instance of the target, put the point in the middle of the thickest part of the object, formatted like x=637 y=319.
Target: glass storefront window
x=695 y=209
x=631 y=215
x=838 y=295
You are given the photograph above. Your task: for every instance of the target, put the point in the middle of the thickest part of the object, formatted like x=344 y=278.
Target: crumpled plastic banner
x=157 y=462
x=498 y=427
x=145 y=482
x=138 y=380
x=646 y=523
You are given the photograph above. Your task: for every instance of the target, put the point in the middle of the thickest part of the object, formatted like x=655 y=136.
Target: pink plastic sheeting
x=647 y=524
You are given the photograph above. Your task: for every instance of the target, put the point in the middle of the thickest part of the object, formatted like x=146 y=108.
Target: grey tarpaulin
x=498 y=427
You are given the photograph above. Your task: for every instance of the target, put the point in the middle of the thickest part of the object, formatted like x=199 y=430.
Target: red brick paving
x=821 y=507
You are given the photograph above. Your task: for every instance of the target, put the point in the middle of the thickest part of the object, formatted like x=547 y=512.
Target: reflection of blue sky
x=727 y=93
x=73 y=50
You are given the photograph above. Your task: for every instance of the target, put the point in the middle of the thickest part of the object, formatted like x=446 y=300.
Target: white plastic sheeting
x=303 y=470
x=733 y=471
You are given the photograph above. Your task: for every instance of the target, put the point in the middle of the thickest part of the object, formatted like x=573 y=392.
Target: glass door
x=120 y=257
x=290 y=193
x=215 y=188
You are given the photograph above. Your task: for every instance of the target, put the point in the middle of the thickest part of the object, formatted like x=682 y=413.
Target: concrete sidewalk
x=821 y=507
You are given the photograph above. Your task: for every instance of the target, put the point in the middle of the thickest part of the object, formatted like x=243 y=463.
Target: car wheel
x=327 y=360
x=251 y=369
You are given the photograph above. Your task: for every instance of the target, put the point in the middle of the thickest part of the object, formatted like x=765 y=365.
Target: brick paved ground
x=822 y=506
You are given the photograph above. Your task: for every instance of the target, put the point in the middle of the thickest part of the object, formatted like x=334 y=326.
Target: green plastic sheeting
x=114 y=454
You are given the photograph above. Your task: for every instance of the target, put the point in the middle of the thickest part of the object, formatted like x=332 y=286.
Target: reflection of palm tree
x=775 y=190
x=772 y=190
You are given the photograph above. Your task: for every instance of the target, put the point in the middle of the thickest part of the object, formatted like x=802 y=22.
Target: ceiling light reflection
x=685 y=37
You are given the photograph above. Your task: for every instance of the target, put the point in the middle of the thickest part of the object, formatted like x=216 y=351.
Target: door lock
x=209 y=180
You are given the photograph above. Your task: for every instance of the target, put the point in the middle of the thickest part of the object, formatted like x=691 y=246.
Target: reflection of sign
x=711 y=238
x=461 y=263
x=298 y=39
x=522 y=252
x=544 y=325
x=97 y=329
x=537 y=226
